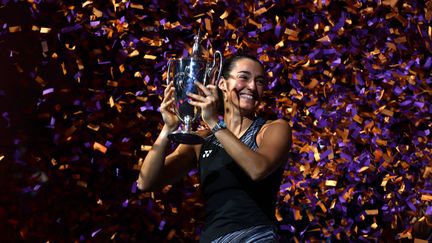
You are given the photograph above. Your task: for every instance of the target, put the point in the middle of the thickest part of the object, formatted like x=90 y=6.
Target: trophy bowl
x=183 y=72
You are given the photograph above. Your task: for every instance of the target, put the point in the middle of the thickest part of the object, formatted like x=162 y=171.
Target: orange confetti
x=426 y=197
x=372 y=212
x=14 y=29
x=100 y=147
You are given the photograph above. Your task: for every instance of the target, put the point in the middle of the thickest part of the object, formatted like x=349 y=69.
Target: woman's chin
x=248 y=107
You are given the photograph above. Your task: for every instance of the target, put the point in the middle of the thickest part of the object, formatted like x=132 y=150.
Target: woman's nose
x=251 y=84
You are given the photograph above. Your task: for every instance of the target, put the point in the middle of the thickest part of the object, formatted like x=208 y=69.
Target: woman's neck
x=237 y=124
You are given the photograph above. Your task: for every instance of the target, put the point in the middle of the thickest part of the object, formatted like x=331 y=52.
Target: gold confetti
x=371 y=211
x=381 y=142
x=280 y=44
x=401 y=39
x=80 y=64
x=87 y=3
x=322 y=206
x=251 y=21
x=14 y=29
x=224 y=15
x=64 y=68
x=112 y=83
x=111 y=101
x=391 y=3
x=134 y=53
x=331 y=183
x=324 y=39
x=99 y=147
x=146 y=147
x=45 y=30
x=260 y=11
x=93 y=127
x=316 y=153
x=97 y=12
x=426 y=197
x=82 y=183
x=208 y=27
x=40 y=81
x=358 y=119
x=136 y=6
x=150 y=57
x=312 y=84
x=297 y=214
x=363 y=169
x=63 y=167
x=278 y=215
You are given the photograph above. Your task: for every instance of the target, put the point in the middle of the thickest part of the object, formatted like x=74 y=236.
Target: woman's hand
x=169 y=116
x=208 y=103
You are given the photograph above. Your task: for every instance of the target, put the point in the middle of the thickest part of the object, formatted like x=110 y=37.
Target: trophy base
x=185 y=137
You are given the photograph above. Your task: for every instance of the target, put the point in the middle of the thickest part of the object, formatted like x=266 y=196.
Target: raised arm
x=158 y=169
x=274 y=138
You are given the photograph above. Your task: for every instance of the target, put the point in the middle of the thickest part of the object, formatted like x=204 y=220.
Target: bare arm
x=158 y=169
x=272 y=151
x=274 y=144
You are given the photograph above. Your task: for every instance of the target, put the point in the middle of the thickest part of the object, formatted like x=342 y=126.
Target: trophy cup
x=184 y=72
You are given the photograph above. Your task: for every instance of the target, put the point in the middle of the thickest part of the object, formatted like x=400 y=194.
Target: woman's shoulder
x=281 y=122
x=278 y=126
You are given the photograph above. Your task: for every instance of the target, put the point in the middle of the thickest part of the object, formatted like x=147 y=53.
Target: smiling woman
x=243 y=81
x=240 y=162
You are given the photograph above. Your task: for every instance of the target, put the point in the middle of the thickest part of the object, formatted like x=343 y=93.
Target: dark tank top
x=233 y=201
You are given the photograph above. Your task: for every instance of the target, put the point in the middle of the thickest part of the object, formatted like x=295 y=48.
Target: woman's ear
x=222 y=84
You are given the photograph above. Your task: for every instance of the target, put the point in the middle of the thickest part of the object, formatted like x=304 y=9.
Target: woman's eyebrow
x=249 y=73
x=244 y=72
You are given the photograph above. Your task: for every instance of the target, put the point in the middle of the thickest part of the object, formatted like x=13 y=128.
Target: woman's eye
x=260 y=81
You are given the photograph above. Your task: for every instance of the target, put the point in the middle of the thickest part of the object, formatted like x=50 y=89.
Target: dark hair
x=228 y=64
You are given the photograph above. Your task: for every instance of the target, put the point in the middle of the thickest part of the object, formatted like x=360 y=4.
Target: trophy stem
x=186 y=135
x=188 y=124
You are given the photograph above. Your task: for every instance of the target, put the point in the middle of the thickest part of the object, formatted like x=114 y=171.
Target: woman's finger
x=203 y=88
x=213 y=90
x=198 y=104
x=195 y=96
x=167 y=101
x=168 y=87
x=169 y=94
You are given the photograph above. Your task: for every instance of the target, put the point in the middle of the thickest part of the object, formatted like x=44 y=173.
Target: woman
x=240 y=162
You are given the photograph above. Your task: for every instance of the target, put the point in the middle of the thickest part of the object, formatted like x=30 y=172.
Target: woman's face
x=245 y=84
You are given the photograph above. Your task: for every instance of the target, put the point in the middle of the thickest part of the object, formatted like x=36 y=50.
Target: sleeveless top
x=233 y=201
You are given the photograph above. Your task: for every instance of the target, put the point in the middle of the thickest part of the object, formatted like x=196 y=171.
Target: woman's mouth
x=247 y=96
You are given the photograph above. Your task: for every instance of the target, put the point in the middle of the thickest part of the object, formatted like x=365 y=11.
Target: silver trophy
x=184 y=72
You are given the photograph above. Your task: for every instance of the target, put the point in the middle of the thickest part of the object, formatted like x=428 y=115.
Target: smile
x=247 y=96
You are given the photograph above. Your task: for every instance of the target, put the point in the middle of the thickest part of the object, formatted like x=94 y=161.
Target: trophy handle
x=168 y=81
x=220 y=65
x=168 y=72
x=210 y=72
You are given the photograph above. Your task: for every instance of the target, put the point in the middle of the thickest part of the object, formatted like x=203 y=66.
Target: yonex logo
x=207 y=153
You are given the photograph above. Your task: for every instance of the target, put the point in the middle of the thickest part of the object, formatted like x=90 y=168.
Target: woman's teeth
x=246 y=96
